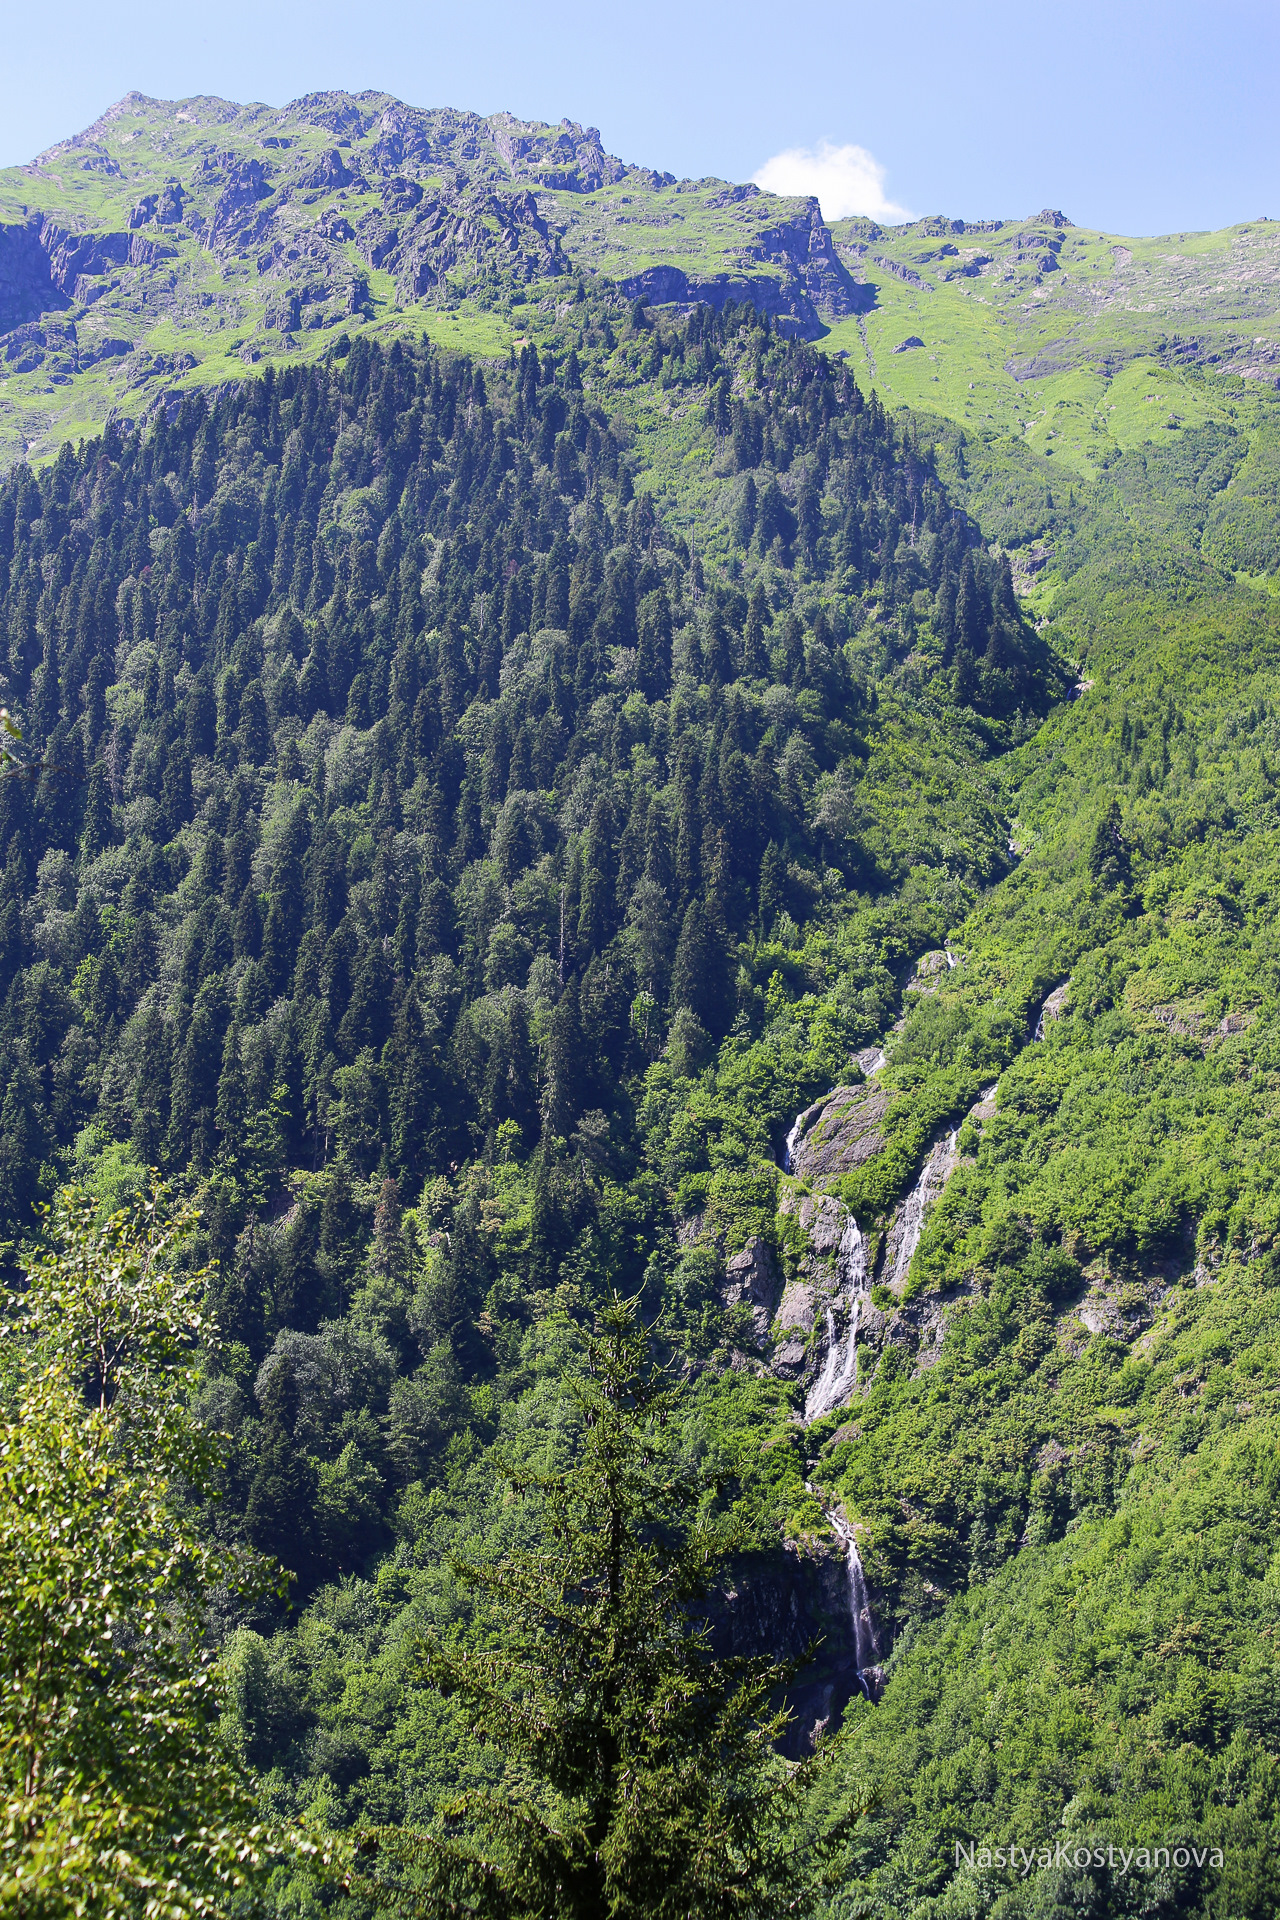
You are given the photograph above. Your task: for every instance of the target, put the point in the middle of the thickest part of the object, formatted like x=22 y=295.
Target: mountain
x=178 y=242
x=197 y=237
x=553 y=784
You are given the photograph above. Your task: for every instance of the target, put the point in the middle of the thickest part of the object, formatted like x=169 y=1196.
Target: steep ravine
x=818 y=1322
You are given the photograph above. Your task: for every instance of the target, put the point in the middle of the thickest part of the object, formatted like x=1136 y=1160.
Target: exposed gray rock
x=234 y=217
x=330 y=171
x=797 y=1311
x=27 y=288
x=932 y=968
x=839 y=1132
x=817 y=1289
x=815 y=285
x=899 y=272
x=170 y=208
x=751 y=1279
x=146 y=252
x=907 y=1224
x=1052 y=1008
x=76 y=257
x=774 y=1606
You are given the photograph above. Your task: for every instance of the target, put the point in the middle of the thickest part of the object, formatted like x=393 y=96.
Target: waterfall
x=819 y=1396
x=866 y=1647
x=793 y=1139
x=839 y=1374
x=932 y=1179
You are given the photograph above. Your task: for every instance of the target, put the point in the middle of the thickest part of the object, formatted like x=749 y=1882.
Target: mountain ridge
x=176 y=243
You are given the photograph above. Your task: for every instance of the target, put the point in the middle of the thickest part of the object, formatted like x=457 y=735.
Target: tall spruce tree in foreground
x=640 y=1773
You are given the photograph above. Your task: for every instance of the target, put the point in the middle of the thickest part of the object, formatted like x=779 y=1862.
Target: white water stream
x=932 y=1179
x=866 y=1647
x=839 y=1374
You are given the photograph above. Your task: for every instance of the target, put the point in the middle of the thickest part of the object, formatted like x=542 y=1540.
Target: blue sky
x=1133 y=117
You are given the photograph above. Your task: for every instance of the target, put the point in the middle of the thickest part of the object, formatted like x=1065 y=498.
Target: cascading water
x=792 y=1141
x=933 y=1176
x=866 y=1647
x=839 y=1374
x=819 y=1395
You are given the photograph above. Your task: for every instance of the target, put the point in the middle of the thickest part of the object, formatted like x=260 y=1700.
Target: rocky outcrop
x=907 y=1224
x=236 y=221
x=932 y=968
x=422 y=236
x=565 y=159
x=329 y=173
x=817 y=1290
x=1052 y=1008
x=751 y=1280
x=27 y=288
x=403 y=138
x=906 y=274
x=77 y=257
x=839 y=1133
x=790 y=271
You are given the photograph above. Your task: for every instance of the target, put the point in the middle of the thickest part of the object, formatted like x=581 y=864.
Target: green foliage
x=118 y=1796
x=470 y=814
x=639 y=1776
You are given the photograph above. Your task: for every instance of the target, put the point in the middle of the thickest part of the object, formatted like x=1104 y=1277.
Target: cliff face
x=838 y=1133
x=27 y=287
x=246 y=230
x=790 y=270
x=776 y=1607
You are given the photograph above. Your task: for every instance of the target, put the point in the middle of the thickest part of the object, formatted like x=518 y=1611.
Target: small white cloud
x=845 y=179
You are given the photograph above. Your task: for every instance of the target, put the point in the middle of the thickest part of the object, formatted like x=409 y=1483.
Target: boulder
x=931 y=969
x=839 y=1133
x=797 y=1311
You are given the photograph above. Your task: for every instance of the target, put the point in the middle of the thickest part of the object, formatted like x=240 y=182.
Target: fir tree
x=595 y=1677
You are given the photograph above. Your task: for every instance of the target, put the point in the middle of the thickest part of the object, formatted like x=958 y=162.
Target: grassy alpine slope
x=512 y=789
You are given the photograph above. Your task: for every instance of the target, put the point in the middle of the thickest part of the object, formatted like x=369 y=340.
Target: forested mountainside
x=628 y=818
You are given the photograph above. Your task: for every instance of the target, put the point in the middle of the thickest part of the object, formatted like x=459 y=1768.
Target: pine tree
x=96 y=832
x=653 y=665
x=591 y=1670
x=1109 y=851
x=700 y=973
x=773 y=880
x=278 y=1517
x=562 y=1100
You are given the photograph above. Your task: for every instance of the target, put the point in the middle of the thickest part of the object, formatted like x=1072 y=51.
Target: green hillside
x=685 y=903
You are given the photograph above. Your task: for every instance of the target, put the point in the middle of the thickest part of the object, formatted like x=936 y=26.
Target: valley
x=664 y=816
